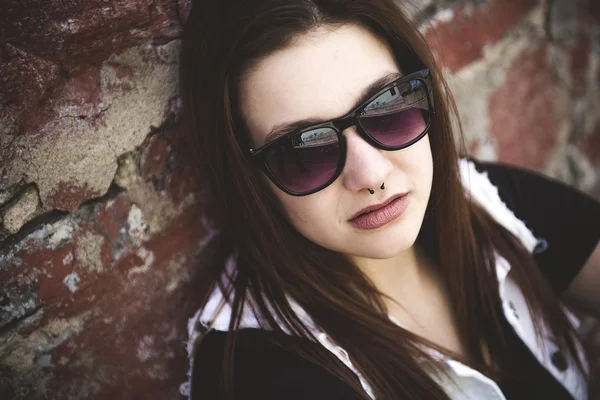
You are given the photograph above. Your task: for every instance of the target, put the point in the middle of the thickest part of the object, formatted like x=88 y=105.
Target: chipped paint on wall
x=17 y=301
x=83 y=152
x=137 y=224
x=147 y=258
x=71 y=281
x=88 y=251
x=21 y=352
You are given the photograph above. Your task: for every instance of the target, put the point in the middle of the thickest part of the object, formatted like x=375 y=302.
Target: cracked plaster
x=83 y=152
x=472 y=86
x=127 y=171
x=20 y=352
x=25 y=208
x=147 y=256
x=157 y=209
x=88 y=251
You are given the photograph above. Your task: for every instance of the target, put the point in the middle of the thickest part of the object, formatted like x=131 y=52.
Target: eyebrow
x=287 y=127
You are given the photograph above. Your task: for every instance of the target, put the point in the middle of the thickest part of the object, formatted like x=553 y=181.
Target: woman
x=355 y=254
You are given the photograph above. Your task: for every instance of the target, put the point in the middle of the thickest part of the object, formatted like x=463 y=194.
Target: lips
x=375 y=207
x=378 y=215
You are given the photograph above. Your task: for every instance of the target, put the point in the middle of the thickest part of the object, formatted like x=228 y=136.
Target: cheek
x=425 y=158
x=313 y=216
x=423 y=167
x=304 y=211
x=421 y=158
x=289 y=205
x=415 y=161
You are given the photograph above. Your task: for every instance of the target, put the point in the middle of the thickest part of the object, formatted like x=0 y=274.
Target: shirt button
x=559 y=361
x=202 y=326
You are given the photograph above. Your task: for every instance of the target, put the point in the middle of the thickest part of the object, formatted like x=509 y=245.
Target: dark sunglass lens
x=305 y=161
x=399 y=115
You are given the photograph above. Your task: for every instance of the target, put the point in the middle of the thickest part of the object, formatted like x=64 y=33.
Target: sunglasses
x=305 y=161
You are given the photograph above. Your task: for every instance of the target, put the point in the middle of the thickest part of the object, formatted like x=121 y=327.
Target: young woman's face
x=321 y=75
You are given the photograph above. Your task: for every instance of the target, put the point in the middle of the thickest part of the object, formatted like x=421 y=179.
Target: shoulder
x=566 y=218
x=262 y=368
x=521 y=187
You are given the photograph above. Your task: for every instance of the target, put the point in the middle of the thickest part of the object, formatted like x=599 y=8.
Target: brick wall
x=100 y=218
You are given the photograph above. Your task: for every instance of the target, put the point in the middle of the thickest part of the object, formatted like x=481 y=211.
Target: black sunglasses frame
x=338 y=125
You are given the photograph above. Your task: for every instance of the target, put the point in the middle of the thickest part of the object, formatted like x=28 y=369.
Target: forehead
x=319 y=76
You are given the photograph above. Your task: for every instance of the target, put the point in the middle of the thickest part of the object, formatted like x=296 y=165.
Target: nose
x=366 y=167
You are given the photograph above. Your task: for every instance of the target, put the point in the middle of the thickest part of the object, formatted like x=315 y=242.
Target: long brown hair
x=222 y=40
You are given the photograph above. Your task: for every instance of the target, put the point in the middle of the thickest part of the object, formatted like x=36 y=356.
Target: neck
x=407 y=272
x=416 y=294
x=405 y=280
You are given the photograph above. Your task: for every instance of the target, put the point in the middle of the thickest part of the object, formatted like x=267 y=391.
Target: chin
x=385 y=245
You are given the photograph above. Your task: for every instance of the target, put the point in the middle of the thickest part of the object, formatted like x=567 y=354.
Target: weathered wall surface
x=101 y=218
x=526 y=78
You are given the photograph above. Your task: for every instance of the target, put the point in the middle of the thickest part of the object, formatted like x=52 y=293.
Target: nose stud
x=382 y=187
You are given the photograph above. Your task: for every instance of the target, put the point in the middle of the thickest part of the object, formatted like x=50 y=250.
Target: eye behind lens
x=397 y=98
x=309 y=161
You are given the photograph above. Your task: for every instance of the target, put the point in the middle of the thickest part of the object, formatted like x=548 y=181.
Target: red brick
x=118 y=310
x=590 y=146
x=26 y=81
x=87 y=30
x=67 y=196
x=580 y=61
x=182 y=180
x=154 y=157
x=112 y=218
x=138 y=307
x=50 y=271
x=52 y=40
x=524 y=116
x=461 y=40
x=81 y=95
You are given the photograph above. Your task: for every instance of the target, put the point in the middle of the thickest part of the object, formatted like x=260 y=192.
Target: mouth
x=378 y=215
x=375 y=207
